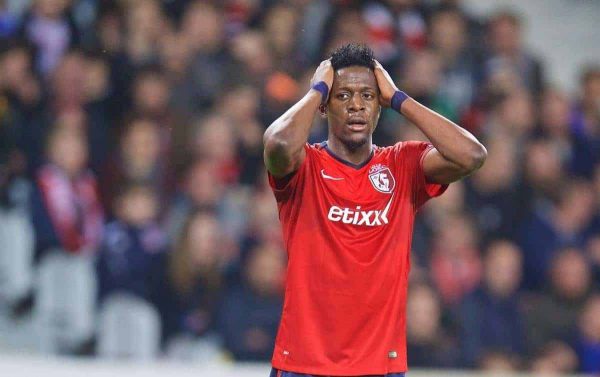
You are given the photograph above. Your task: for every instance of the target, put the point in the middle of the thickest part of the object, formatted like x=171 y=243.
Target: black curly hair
x=352 y=54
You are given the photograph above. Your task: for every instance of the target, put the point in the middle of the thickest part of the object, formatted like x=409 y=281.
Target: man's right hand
x=285 y=138
x=323 y=73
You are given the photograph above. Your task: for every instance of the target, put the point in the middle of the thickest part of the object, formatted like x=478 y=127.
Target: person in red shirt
x=347 y=209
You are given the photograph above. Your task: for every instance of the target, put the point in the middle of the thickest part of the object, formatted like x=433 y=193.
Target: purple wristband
x=397 y=99
x=322 y=88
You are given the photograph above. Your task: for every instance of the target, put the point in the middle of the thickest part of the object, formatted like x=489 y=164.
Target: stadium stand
x=131 y=162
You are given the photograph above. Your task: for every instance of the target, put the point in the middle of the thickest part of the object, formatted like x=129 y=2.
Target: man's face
x=353 y=107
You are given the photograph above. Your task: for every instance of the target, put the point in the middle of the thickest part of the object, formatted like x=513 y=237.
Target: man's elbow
x=277 y=156
x=476 y=158
x=274 y=145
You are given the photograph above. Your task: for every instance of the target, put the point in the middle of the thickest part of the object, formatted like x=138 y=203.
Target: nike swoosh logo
x=329 y=177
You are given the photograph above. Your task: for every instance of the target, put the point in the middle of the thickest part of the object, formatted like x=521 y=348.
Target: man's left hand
x=386 y=85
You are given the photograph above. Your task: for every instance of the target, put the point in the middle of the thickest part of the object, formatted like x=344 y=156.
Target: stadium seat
x=129 y=328
x=65 y=302
x=188 y=348
x=16 y=256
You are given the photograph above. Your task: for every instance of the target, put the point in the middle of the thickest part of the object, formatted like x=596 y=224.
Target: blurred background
x=136 y=222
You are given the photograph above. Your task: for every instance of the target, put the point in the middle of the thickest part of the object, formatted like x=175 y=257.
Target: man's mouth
x=357 y=124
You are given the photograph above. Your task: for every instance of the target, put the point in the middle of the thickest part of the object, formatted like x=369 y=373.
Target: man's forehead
x=355 y=75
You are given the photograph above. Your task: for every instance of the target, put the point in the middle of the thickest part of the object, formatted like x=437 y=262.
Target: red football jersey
x=347 y=230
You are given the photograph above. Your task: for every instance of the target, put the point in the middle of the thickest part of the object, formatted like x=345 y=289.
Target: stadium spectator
x=213 y=139
x=498 y=362
x=592 y=252
x=176 y=58
x=72 y=98
x=588 y=344
x=242 y=14
x=543 y=172
x=9 y=21
x=455 y=260
x=23 y=96
x=422 y=77
x=553 y=316
x=108 y=31
x=553 y=225
x=511 y=115
x=202 y=28
x=51 y=29
x=250 y=313
x=145 y=24
x=555 y=358
x=200 y=190
x=586 y=116
x=556 y=124
x=151 y=96
x=98 y=96
x=411 y=23
x=505 y=31
x=475 y=26
x=241 y=105
x=66 y=211
x=345 y=25
x=492 y=193
x=137 y=159
x=14 y=187
x=491 y=317
x=251 y=52
x=13 y=183
x=554 y=118
x=151 y=93
x=448 y=38
x=428 y=343
x=263 y=217
x=196 y=276
x=380 y=21
x=281 y=26
x=132 y=254
x=585 y=121
x=433 y=214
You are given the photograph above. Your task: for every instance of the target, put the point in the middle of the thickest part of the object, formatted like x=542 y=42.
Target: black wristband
x=322 y=88
x=397 y=99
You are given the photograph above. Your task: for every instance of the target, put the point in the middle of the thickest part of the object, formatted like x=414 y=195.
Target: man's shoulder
x=410 y=144
x=400 y=147
x=316 y=147
x=409 y=149
x=317 y=152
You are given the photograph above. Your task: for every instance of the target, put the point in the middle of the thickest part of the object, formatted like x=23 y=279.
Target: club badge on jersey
x=382 y=178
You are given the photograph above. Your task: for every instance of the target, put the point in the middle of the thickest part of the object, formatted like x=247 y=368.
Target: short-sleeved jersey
x=347 y=229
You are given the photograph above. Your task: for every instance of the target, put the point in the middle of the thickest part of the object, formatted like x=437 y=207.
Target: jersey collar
x=345 y=162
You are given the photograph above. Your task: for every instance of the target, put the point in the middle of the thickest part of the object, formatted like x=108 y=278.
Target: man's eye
x=369 y=96
x=343 y=96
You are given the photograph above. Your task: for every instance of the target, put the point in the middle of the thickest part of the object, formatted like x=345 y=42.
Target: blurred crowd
x=131 y=132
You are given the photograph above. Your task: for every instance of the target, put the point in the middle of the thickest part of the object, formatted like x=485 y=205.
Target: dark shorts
x=281 y=373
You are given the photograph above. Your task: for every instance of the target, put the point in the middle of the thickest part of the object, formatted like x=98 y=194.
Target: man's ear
x=377 y=119
x=323 y=110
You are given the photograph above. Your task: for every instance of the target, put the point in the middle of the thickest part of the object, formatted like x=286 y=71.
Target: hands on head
x=387 y=87
x=323 y=75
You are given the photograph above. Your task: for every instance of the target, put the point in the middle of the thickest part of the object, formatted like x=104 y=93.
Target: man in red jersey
x=347 y=209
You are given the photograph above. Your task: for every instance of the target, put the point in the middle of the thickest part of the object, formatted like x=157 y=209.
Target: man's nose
x=356 y=103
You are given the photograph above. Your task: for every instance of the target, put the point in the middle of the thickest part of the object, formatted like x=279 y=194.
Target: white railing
x=34 y=366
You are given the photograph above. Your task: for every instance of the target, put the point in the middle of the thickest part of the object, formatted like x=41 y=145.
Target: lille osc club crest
x=381 y=178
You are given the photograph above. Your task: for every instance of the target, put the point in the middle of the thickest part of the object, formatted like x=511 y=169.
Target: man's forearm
x=285 y=138
x=452 y=141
